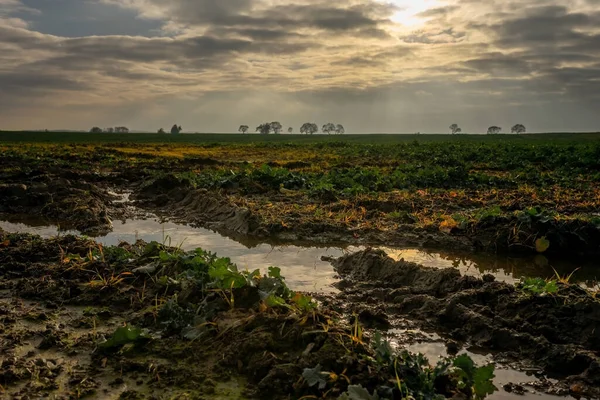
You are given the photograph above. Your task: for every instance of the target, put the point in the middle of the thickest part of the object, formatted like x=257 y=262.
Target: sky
x=373 y=66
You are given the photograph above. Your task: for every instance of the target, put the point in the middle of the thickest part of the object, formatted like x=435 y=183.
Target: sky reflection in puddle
x=302 y=266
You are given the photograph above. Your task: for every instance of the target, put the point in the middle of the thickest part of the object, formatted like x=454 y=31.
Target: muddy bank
x=177 y=199
x=256 y=207
x=287 y=218
x=418 y=194
x=73 y=203
x=147 y=321
x=559 y=332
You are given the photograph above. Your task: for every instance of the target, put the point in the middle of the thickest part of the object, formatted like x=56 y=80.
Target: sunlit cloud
x=409 y=11
x=376 y=65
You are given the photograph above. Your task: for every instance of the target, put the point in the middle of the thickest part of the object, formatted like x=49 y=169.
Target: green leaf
x=534 y=285
x=542 y=244
x=152 y=249
x=274 y=286
x=314 y=376
x=383 y=349
x=218 y=272
x=483 y=384
x=226 y=275
x=124 y=335
x=465 y=363
x=357 y=392
x=551 y=287
x=540 y=286
x=303 y=302
x=276 y=301
x=254 y=274
x=163 y=256
x=275 y=272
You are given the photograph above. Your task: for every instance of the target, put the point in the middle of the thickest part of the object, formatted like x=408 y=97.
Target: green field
x=153 y=317
x=82 y=137
x=505 y=193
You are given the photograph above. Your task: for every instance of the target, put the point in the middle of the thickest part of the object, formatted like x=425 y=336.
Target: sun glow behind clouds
x=407 y=15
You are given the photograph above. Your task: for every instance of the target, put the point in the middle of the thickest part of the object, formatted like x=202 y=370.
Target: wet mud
x=177 y=199
x=73 y=203
x=64 y=300
x=268 y=216
x=558 y=332
x=82 y=200
x=60 y=298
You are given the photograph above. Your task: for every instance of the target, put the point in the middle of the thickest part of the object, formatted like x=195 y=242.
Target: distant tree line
x=175 y=130
x=309 y=128
x=492 y=130
x=118 y=129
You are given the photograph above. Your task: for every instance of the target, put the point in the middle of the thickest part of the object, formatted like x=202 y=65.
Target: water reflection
x=503 y=374
x=302 y=265
x=505 y=269
x=432 y=346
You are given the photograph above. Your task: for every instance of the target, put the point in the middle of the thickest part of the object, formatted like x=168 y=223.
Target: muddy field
x=510 y=197
x=149 y=320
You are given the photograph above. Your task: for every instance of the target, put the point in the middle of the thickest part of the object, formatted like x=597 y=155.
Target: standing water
x=302 y=265
x=304 y=270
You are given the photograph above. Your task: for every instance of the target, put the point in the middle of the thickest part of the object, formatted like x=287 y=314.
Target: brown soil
x=292 y=217
x=560 y=333
x=179 y=200
x=80 y=200
x=56 y=307
x=75 y=204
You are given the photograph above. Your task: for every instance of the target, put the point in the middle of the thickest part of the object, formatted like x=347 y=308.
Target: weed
x=125 y=335
x=564 y=279
x=106 y=282
x=539 y=286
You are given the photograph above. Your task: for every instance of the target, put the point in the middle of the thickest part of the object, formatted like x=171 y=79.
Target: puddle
x=122 y=198
x=433 y=347
x=61 y=371
x=302 y=266
x=305 y=271
x=505 y=269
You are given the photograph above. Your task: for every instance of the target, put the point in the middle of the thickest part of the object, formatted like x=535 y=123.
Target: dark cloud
x=482 y=63
x=358 y=61
x=71 y=18
x=544 y=26
x=448 y=35
x=343 y=16
x=498 y=64
x=21 y=82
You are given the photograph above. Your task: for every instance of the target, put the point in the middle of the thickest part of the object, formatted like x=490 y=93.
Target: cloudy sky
x=374 y=66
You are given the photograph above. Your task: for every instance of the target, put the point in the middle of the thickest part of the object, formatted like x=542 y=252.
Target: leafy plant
x=383 y=350
x=542 y=244
x=564 y=279
x=539 y=286
x=416 y=378
x=357 y=392
x=173 y=316
x=315 y=377
x=125 y=335
x=479 y=379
